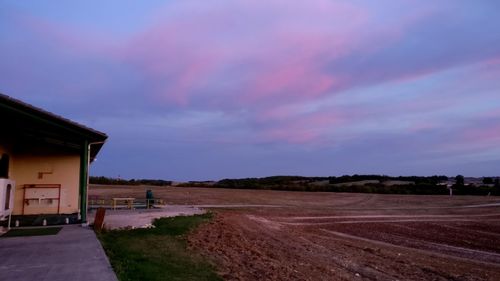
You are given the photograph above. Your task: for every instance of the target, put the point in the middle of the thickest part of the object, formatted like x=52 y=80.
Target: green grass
x=32 y=232
x=159 y=253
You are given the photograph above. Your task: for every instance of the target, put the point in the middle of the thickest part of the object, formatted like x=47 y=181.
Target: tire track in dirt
x=253 y=246
x=414 y=220
x=387 y=216
x=475 y=230
x=355 y=268
x=496 y=263
x=376 y=221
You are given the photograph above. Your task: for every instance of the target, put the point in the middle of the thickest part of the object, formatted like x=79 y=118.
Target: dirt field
x=340 y=236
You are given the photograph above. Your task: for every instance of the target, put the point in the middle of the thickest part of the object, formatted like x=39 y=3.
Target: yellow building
x=46 y=157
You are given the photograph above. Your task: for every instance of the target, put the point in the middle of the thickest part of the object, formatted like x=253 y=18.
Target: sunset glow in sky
x=198 y=90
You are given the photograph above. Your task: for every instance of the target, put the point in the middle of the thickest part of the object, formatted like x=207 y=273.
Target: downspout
x=88 y=167
x=83 y=181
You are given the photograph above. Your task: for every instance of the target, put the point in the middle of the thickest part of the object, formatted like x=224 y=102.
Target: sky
x=205 y=90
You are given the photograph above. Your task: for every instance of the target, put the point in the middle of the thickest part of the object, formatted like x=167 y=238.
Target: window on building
x=4 y=166
x=7 y=197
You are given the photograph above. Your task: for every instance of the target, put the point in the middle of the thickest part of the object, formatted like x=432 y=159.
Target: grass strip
x=32 y=232
x=158 y=253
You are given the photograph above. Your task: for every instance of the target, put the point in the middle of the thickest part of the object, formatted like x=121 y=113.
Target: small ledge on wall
x=47 y=169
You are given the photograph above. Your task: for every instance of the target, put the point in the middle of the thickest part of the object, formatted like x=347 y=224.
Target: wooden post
x=99 y=219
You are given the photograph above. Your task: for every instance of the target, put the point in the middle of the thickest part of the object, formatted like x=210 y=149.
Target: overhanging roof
x=30 y=121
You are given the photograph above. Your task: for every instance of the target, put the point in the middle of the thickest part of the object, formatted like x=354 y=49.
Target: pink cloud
x=485 y=132
x=265 y=59
x=78 y=41
x=290 y=127
x=281 y=56
x=190 y=48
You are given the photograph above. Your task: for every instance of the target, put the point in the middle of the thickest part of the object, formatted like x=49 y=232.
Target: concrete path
x=73 y=254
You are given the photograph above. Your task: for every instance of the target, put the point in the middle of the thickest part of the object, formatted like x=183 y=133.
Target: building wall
x=56 y=166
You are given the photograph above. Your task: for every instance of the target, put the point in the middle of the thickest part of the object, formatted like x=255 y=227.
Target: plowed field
x=275 y=235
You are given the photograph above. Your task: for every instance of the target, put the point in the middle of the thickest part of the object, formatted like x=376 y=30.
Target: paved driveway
x=73 y=254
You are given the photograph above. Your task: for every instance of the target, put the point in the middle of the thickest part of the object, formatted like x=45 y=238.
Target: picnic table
x=128 y=200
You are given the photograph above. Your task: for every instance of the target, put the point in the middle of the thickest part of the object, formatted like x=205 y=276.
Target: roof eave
x=85 y=132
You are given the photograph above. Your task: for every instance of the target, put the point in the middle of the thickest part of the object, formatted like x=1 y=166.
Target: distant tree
x=487 y=180
x=119 y=181
x=459 y=180
x=497 y=182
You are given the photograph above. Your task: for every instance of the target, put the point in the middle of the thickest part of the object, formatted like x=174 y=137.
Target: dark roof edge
x=20 y=105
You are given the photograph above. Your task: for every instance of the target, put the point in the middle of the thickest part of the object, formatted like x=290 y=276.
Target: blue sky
x=194 y=90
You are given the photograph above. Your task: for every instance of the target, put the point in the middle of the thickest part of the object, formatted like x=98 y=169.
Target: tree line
x=490 y=186
x=429 y=185
x=383 y=184
x=119 y=181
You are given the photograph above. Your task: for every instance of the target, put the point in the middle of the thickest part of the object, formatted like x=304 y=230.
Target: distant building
x=473 y=181
x=447 y=183
x=44 y=158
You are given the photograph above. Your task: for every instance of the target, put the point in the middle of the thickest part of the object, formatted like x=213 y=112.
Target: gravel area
x=140 y=218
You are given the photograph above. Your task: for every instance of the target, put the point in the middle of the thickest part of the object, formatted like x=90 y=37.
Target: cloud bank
x=196 y=89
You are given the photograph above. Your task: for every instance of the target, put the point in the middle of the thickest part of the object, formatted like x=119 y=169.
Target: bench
x=128 y=200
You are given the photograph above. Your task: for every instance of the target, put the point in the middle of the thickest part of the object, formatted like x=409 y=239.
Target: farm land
x=286 y=235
